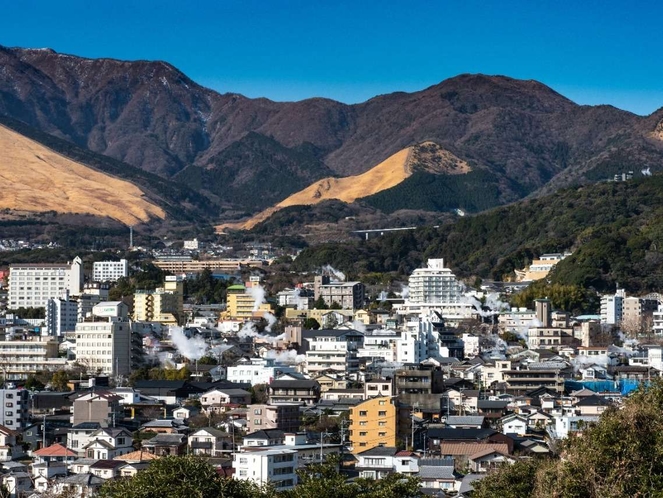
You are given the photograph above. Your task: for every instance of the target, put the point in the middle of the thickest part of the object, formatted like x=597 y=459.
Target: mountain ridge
x=523 y=134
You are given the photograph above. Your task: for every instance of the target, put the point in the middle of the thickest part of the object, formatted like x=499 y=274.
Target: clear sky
x=594 y=52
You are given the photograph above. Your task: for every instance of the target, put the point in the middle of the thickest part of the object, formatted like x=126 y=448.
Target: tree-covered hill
x=614 y=230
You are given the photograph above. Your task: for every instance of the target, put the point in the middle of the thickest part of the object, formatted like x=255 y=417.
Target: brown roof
x=486 y=451
x=137 y=456
x=8 y=431
x=471 y=449
x=54 y=450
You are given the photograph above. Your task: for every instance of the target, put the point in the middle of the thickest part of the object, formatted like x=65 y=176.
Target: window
x=382 y=402
x=363 y=423
x=363 y=433
x=382 y=434
x=382 y=423
x=363 y=413
x=382 y=414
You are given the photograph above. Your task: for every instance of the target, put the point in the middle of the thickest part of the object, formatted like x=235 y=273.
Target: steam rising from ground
x=329 y=269
x=359 y=326
x=289 y=356
x=249 y=330
x=193 y=348
x=646 y=172
x=258 y=294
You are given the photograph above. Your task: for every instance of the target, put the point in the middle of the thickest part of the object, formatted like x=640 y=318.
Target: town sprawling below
x=451 y=292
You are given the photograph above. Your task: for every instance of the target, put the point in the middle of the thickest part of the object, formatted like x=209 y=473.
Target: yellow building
x=240 y=304
x=373 y=423
x=164 y=305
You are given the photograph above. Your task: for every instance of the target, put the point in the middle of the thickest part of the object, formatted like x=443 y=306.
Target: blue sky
x=594 y=52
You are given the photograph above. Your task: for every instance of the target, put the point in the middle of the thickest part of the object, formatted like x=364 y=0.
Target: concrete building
x=612 y=307
x=334 y=349
x=434 y=284
x=373 y=423
x=191 y=245
x=164 y=305
x=20 y=359
x=257 y=371
x=349 y=295
x=95 y=407
x=93 y=293
x=16 y=403
x=32 y=285
x=104 y=345
x=61 y=316
x=284 y=416
x=277 y=467
x=185 y=264
x=109 y=271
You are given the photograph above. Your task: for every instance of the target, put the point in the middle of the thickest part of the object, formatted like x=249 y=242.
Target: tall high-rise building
x=434 y=284
x=32 y=285
x=109 y=271
x=61 y=315
x=104 y=344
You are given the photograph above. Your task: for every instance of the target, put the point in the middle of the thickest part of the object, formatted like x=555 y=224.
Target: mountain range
x=241 y=156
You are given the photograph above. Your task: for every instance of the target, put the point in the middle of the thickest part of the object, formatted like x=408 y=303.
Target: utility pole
x=412 y=424
x=43 y=433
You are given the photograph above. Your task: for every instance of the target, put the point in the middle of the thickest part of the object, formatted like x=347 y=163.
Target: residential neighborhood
x=444 y=384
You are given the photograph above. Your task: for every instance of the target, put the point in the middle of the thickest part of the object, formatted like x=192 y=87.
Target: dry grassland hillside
x=36 y=179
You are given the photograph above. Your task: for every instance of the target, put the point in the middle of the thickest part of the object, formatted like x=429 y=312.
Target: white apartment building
x=657 y=325
x=434 y=284
x=257 y=371
x=334 y=350
x=380 y=344
x=61 y=316
x=612 y=307
x=14 y=413
x=277 y=467
x=19 y=359
x=191 y=245
x=105 y=346
x=32 y=285
x=110 y=271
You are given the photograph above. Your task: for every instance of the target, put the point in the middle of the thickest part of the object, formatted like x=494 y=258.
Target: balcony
x=202 y=445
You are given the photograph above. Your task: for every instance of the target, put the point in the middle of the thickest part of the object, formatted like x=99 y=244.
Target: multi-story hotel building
x=109 y=271
x=31 y=286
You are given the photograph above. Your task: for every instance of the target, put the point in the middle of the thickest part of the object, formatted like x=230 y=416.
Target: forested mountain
x=613 y=228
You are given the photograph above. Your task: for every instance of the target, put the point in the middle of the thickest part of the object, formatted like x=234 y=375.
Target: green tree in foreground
x=620 y=455
x=325 y=481
x=181 y=477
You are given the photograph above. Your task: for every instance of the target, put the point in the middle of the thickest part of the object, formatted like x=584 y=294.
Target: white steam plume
x=646 y=172
x=249 y=330
x=359 y=326
x=337 y=273
x=405 y=291
x=193 y=348
x=258 y=294
x=289 y=356
x=271 y=320
x=383 y=296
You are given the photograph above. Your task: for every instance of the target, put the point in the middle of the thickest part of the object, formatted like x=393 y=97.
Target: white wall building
x=434 y=284
x=612 y=307
x=109 y=271
x=335 y=350
x=277 y=467
x=61 y=316
x=257 y=371
x=32 y=285
x=104 y=346
x=15 y=405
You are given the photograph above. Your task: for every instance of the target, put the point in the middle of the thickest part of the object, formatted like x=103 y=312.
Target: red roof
x=54 y=450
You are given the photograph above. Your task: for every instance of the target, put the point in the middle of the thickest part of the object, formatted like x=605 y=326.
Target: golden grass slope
x=35 y=178
x=427 y=156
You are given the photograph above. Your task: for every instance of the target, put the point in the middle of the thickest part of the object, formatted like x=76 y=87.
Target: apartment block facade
x=110 y=271
x=32 y=285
